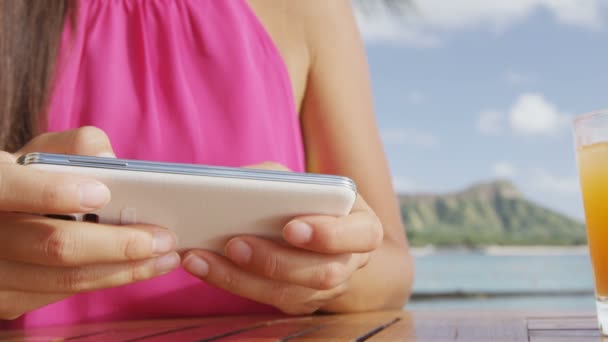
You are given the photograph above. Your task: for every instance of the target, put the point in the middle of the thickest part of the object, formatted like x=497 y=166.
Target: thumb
x=267 y=165
x=86 y=141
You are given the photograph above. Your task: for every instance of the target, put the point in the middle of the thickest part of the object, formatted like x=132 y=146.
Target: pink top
x=195 y=81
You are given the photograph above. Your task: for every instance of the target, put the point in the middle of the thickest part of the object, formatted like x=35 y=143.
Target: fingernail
x=106 y=155
x=166 y=263
x=239 y=252
x=93 y=194
x=163 y=242
x=196 y=265
x=299 y=232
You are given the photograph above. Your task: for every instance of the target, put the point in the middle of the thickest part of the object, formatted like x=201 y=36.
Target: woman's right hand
x=43 y=260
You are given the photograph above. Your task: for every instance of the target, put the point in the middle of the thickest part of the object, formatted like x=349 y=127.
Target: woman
x=229 y=83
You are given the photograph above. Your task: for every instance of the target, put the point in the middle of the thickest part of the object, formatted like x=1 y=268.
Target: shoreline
x=502 y=250
x=461 y=294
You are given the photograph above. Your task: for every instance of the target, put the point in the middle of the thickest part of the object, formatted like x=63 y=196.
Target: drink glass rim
x=589 y=115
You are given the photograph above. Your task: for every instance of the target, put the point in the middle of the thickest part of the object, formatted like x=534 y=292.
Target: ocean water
x=478 y=281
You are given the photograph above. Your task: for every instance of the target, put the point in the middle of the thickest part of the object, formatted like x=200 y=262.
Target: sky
x=475 y=90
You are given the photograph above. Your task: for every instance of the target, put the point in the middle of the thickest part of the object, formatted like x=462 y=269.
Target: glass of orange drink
x=591 y=134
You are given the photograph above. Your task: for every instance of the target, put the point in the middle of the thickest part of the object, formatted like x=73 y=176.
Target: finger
x=15 y=303
x=24 y=189
x=88 y=140
x=45 y=241
x=8 y=158
x=35 y=278
x=221 y=273
x=291 y=265
x=268 y=165
x=359 y=232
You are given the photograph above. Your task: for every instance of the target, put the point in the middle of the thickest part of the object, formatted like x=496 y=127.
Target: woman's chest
x=285 y=27
x=211 y=89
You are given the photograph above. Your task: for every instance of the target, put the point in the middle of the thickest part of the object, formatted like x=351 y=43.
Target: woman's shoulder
x=298 y=28
x=301 y=22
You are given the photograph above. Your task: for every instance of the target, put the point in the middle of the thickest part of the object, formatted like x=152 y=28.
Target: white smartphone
x=204 y=205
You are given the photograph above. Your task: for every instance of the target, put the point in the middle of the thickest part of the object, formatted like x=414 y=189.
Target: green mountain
x=485 y=214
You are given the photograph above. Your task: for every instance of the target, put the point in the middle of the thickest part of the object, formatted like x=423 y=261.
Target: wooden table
x=381 y=326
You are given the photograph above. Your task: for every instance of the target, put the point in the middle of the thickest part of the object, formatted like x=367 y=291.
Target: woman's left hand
x=314 y=267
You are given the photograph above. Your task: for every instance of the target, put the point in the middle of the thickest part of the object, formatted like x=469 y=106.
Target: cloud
x=518 y=78
x=491 y=122
x=532 y=114
x=549 y=183
x=423 y=23
x=403 y=184
x=381 y=26
x=408 y=136
x=501 y=14
x=504 y=170
x=578 y=13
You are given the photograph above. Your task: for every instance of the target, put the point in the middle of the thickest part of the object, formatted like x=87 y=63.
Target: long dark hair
x=30 y=31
